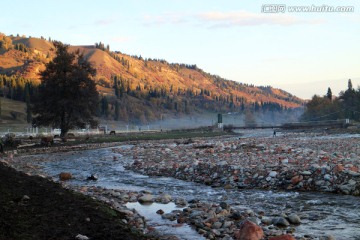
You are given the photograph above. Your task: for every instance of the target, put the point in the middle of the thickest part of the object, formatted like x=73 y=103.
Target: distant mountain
x=143 y=90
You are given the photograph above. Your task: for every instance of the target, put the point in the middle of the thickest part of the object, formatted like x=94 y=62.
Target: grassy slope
x=8 y=106
x=157 y=74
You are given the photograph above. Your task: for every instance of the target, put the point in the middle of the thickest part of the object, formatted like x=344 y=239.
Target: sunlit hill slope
x=143 y=90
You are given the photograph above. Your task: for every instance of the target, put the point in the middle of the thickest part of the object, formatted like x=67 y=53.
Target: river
x=338 y=215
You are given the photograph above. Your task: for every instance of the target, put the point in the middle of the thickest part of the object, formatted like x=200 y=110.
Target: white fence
x=27 y=132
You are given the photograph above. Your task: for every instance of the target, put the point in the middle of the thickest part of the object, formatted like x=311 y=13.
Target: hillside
x=146 y=89
x=12 y=111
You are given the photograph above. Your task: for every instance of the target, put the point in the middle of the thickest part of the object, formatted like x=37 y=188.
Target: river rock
x=346 y=188
x=25 y=198
x=254 y=220
x=227 y=224
x=169 y=216
x=327 y=237
x=283 y=237
x=147 y=198
x=64 y=176
x=164 y=198
x=217 y=225
x=285 y=161
x=160 y=211
x=306 y=173
x=249 y=231
x=180 y=202
x=236 y=215
x=266 y=220
x=81 y=237
x=296 y=179
x=216 y=232
x=352 y=182
x=195 y=214
x=327 y=177
x=224 y=205
x=280 y=222
x=273 y=174
x=93 y=177
x=294 y=219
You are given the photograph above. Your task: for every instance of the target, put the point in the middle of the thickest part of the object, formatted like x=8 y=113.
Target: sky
x=303 y=53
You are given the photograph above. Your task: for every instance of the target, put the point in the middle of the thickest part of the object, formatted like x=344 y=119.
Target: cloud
x=121 y=39
x=244 y=18
x=104 y=21
x=217 y=19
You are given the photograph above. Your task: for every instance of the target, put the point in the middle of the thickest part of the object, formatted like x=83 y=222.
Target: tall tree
x=67 y=95
x=329 y=93
x=104 y=107
x=117 y=111
x=350 y=86
x=27 y=100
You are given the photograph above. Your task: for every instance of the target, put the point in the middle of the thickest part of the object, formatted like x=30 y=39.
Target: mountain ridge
x=149 y=80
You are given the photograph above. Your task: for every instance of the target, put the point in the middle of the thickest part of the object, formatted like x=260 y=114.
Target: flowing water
x=321 y=214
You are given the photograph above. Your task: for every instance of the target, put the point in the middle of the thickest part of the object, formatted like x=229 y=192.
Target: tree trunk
x=63 y=132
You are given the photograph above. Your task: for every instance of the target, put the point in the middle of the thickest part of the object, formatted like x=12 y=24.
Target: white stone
x=285 y=161
x=81 y=237
x=147 y=198
x=273 y=174
x=327 y=177
x=306 y=173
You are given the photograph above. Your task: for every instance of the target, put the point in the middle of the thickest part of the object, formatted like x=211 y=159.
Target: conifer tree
x=67 y=96
x=28 y=107
x=117 y=111
x=329 y=93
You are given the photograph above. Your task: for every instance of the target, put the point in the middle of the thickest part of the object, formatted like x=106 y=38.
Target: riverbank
x=33 y=207
x=224 y=162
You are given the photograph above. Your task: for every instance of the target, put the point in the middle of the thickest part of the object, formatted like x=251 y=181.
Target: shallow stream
x=338 y=215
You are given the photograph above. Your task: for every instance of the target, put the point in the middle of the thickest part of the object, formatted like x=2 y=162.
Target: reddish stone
x=338 y=168
x=354 y=169
x=296 y=179
x=236 y=178
x=249 y=231
x=324 y=158
x=283 y=237
x=64 y=176
x=181 y=220
x=177 y=225
x=247 y=181
x=208 y=225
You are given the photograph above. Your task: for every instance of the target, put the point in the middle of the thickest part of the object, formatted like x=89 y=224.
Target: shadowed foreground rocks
x=36 y=208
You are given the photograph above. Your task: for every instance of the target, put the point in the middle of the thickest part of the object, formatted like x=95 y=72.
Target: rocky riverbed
x=291 y=162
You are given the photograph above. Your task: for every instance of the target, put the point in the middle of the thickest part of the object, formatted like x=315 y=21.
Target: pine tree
x=104 y=107
x=329 y=94
x=67 y=96
x=28 y=107
x=350 y=87
x=117 y=111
